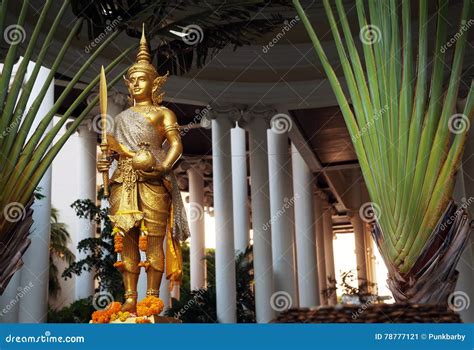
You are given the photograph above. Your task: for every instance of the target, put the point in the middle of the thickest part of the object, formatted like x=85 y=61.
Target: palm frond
x=216 y=25
x=410 y=155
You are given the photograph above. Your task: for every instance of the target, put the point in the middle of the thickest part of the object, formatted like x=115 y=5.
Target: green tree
x=58 y=248
x=199 y=306
x=100 y=255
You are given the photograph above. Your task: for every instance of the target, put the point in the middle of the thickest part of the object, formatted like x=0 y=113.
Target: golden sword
x=104 y=146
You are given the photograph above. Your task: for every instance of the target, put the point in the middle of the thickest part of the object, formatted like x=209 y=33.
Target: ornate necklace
x=147 y=109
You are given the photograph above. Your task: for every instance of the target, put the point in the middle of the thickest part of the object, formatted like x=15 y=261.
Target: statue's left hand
x=156 y=173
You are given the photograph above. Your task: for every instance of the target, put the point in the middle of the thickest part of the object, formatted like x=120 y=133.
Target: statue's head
x=143 y=81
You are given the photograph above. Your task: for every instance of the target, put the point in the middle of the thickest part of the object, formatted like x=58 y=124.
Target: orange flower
x=119 y=265
x=143 y=243
x=151 y=305
x=118 y=243
x=104 y=316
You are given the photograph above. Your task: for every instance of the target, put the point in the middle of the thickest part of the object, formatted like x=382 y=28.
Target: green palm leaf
x=410 y=155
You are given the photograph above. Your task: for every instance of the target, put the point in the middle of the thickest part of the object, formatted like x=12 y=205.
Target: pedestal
x=150 y=319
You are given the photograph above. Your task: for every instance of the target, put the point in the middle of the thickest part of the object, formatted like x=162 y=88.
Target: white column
x=370 y=259
x=360 y=250
x=359 y=235
x=240 y=189
x=176 y=292
x=320 y=254
x=329 y=250
x=282 y=209
x=87 y=189
x=262 y=239
x=305 y=231
x=196 y=225
x=223 y=214
x=35 y=271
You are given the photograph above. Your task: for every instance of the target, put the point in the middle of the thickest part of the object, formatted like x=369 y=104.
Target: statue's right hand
x=103 y=165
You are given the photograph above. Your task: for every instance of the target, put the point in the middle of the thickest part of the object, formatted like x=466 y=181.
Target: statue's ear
x=159 y=81
x=156 y=84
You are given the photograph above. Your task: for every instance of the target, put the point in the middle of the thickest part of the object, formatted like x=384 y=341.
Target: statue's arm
x=171 y=128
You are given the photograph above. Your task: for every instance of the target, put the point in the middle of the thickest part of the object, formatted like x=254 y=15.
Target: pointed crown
x=143 y=60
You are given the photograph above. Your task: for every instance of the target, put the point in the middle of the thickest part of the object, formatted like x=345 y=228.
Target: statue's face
x=140 y=85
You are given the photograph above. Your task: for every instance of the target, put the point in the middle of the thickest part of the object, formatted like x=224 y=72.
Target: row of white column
x=289 y=222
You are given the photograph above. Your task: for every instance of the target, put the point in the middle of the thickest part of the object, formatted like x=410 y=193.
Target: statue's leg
x=155 y=203
x=156 y=257
x=130 y=255
x=131 y=259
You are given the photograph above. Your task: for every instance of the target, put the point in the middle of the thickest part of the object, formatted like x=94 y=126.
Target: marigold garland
x=143 y=243
x=118 y=243
x=143 y=246
x=149 y=306
x=118 y=247
x=119 y=265
x=104 y=316
x=123 y=315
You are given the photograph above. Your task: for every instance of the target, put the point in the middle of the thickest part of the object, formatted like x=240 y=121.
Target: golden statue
x=146 y=208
